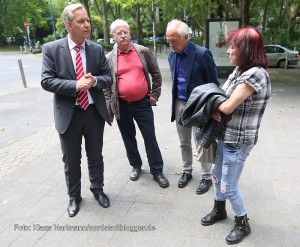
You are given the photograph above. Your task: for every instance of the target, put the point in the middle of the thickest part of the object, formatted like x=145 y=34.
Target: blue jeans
x=230 y=159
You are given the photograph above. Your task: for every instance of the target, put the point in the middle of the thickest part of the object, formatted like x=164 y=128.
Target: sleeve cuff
x=95 y=78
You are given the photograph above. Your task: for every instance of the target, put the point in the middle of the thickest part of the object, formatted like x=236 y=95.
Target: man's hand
x=85 y=82
x=152 y=101
x=111 y=118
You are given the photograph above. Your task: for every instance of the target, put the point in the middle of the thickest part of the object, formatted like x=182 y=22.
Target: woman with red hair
x=248 y=89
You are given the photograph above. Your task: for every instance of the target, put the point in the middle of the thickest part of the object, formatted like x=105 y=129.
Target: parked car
x=157 y=39
x=277 y=55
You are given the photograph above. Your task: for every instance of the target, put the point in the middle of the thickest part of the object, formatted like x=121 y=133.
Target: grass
x=10 y=48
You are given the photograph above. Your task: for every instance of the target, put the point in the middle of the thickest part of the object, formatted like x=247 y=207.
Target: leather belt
x=133 y=102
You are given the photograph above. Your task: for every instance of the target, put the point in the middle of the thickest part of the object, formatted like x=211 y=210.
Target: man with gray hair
x=131 y=98
x=191 y=65
x=76 y=71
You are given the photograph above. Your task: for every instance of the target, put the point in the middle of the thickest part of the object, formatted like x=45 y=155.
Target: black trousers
x=140 y=112
x=90 y=125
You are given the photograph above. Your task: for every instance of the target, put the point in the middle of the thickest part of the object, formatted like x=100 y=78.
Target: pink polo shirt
x=132 y=83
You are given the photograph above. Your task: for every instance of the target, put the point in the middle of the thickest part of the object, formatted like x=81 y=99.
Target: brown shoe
x=135 y=173
x=162 y=180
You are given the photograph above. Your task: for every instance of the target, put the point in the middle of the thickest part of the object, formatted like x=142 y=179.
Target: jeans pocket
x=232 y=146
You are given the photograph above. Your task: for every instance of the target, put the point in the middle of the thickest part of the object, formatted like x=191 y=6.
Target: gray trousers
x=185 y=138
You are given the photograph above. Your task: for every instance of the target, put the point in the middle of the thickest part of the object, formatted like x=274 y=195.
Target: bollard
x=286 y=61
x=22 y=73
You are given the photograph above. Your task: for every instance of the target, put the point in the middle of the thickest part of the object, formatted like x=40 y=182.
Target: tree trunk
x=3 y=9
x=85 y=3
x=106 y=35
x=246 y=12
x=281 y=15
x=292 y=15
x=265 y=14
x=236 y=12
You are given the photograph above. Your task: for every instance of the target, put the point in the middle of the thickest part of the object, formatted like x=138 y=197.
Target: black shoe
x=184 y=180
x=162 y=180
x=102 y=199
x=135 y=173
x=218 y=213
x=73 y=207
x=240 y=230
x=203 y=186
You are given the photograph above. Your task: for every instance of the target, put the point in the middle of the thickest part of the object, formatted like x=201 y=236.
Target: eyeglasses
x=172 y=41
x=122 y=32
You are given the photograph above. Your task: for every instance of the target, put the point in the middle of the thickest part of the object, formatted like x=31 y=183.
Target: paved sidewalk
x=33 y=197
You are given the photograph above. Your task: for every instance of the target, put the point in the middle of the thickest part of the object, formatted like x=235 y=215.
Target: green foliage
x=48 y=38
x=14 y=12
x=279 y=36
x=148 y=43
x=61 y=30
x=105 y=46
x=199 y=40
x=97 y=23
x=17 y=11
x=161 y=28
x=10 y=48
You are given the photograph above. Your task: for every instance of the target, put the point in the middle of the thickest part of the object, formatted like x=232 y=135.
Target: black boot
x=240 y=230
x=218 y=213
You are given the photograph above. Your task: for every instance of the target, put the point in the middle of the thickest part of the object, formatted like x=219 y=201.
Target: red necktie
x=82 y=97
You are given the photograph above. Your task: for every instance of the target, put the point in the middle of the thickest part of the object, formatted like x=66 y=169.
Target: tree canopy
x=278 y=20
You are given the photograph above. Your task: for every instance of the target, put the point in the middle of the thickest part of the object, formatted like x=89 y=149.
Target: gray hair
x=67 y=14
x=181 y=27
x=118 y=22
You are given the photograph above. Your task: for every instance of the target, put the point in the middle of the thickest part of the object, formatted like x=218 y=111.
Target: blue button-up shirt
x=180 y=72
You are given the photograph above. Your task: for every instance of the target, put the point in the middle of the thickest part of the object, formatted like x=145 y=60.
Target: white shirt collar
x=72 y=44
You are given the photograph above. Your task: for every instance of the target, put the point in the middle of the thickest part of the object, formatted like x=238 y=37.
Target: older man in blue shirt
x=191 y=65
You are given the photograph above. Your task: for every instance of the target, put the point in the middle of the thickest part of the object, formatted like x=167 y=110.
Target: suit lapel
x=65 y=51
x=190 y=62
x=172 y=64
x=89 y=55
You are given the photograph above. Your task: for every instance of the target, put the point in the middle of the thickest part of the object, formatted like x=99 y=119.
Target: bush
x=105 y=46
x=279 y=37
x=199 y=40
x=148 y=43
x=49 y=38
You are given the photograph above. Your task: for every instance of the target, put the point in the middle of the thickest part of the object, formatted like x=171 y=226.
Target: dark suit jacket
x=200 y=69
x=59 y=77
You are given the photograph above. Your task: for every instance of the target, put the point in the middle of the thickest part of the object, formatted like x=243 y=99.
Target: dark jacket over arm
x=199 y=109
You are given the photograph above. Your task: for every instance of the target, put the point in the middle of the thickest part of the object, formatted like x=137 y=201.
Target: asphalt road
x=10 y=75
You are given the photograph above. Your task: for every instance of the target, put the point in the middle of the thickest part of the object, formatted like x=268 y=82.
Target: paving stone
x=33 y=190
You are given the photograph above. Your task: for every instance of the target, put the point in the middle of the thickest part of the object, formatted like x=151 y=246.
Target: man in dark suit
x=72 y=67
x=191 y=65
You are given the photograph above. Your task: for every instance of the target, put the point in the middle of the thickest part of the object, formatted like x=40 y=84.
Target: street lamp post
x=53 y=21
x=153 y=24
